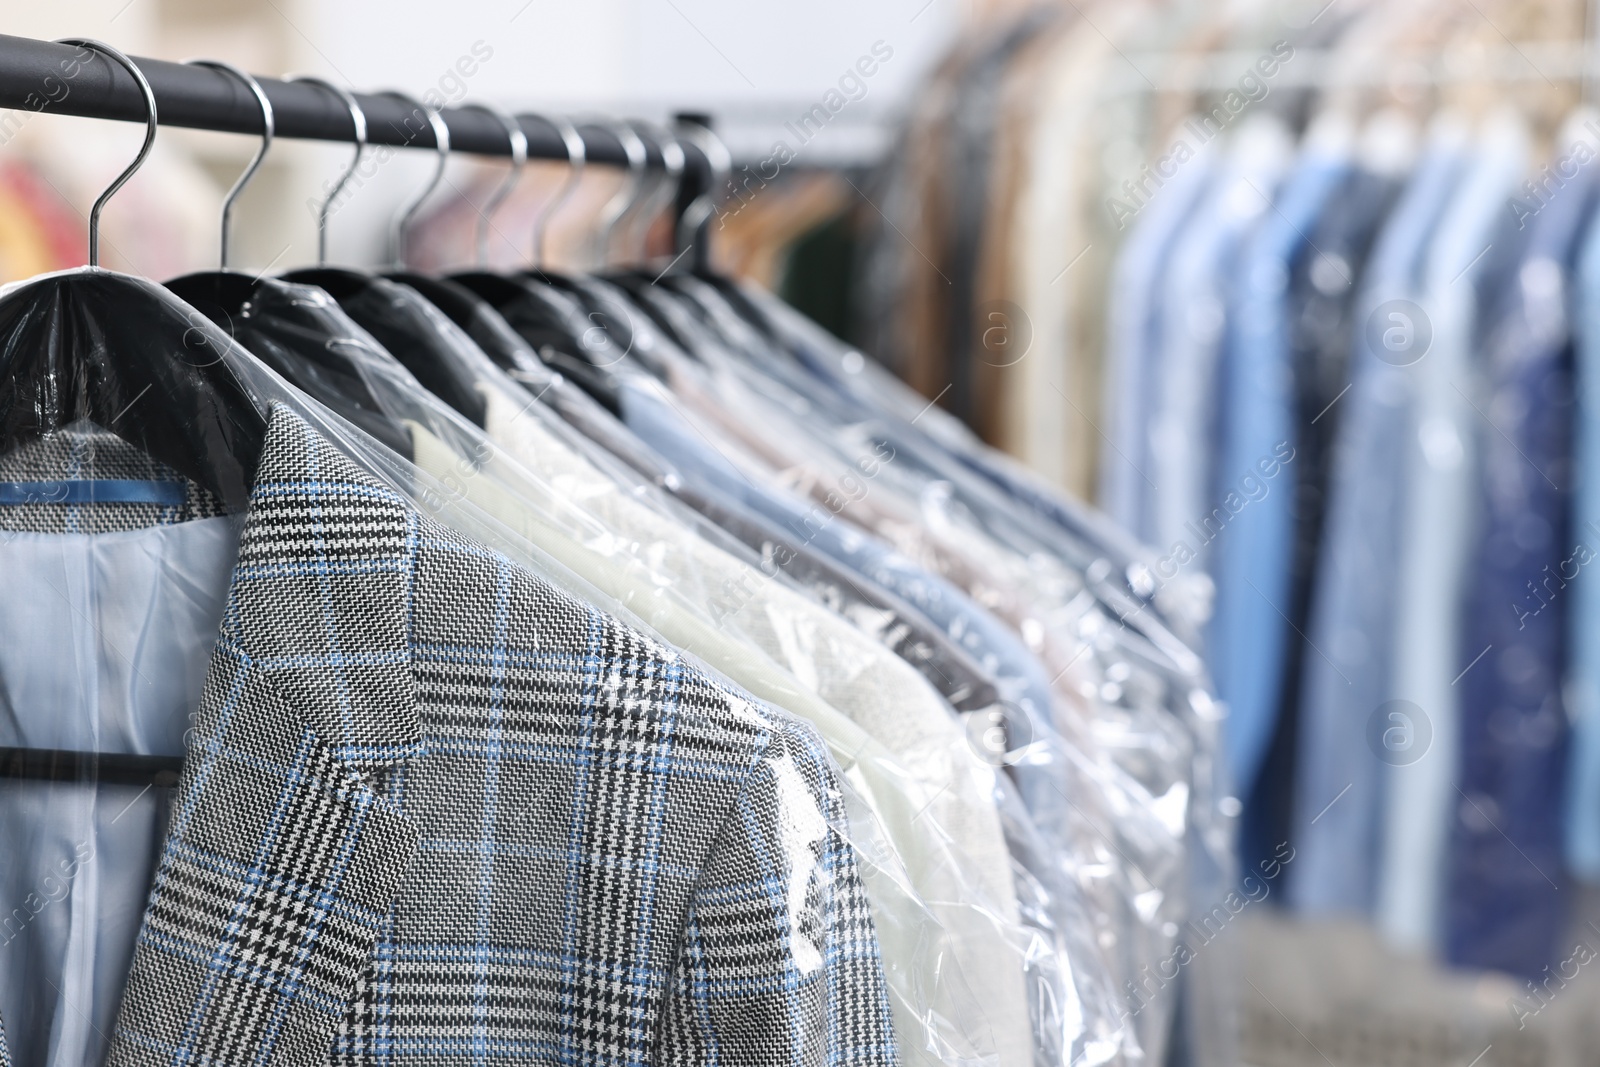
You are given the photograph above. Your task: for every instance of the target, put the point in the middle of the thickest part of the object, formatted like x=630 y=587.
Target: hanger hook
x=144 y=149
x=268 y=125
x=402 y=217
x=519 y=159
x=628 y=195
x=721 y=160
x=577 y=159
x=672 y=159
x=358 y=123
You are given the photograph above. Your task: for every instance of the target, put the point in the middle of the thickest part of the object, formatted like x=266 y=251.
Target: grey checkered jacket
x=435 y=811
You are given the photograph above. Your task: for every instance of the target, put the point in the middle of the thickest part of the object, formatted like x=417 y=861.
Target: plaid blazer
x=434 y=810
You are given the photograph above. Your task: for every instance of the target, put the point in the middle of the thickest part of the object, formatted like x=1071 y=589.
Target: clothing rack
x=46 y=77
x=42 y=76
x=1321 y=68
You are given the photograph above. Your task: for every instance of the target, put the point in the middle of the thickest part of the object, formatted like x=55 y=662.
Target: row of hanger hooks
x=636 y=203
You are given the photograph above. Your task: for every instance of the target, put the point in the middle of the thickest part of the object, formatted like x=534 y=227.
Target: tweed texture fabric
x=83 y=451
x=434 y=810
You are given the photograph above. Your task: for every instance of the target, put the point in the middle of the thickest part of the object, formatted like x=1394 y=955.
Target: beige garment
x=1003 y=331
x=1053 y=392
x=882 y=693
x=948 y=927
x=917 y=215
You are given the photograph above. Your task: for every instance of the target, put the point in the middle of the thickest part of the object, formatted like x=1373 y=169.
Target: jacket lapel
x=281 y=859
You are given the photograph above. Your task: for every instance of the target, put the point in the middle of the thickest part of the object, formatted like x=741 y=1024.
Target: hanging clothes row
x=1300 y=301
x=1358 y=410
x=459 y=665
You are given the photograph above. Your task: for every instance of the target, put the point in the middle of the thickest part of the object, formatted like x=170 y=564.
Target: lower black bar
x=64 y=765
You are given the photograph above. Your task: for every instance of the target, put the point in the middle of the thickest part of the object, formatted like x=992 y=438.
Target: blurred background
x=1302 y=294
x=642 y=58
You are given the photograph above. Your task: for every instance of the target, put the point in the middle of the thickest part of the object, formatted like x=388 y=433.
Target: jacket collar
x=320 y=598
x=282 y=860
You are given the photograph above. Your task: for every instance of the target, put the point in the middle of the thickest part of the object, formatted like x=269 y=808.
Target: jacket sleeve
x=779 y=964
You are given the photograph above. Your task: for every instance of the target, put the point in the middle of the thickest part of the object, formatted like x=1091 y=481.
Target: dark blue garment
x=1504 y=907
x=1270 y=550
x=1352 y=609
x=1583 y=605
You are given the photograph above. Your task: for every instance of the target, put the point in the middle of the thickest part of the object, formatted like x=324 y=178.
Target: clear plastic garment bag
x=222 y=804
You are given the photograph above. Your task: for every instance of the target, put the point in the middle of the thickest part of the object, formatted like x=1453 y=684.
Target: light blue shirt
x=1132 y=336
x=1439 y=516
x=104 y=642
x=1182 y=421
x=1253 y=558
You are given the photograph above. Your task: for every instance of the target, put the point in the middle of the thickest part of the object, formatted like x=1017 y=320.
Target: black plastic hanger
x=123 y=352
x=544 y=318
x=397 y=316
x=472 y=313
x=302 y=341
x=581 y=325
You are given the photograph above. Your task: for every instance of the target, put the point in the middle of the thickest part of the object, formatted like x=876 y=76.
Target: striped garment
x=434 y=810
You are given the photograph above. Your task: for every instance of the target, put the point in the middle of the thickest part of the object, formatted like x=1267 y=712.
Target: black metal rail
x=67 y=80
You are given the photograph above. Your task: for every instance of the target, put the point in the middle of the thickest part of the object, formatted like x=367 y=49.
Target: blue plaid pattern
x=434 y=810
x=278 y=870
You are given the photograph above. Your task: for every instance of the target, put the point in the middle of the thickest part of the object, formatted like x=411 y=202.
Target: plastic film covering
x=962 y=962
x=1099 y=1031
x=1109 y=914
x=1131 y=743
x=131 y=437
x=1151 y=654
x=605 y=441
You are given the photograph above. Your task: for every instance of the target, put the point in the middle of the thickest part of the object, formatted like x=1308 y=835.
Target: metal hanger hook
x=268 y=125
x=358 y=122
x=672 y=159
x=519 y=159
x=144 y=149
x=620 y=204
x=402 y=217
x=721 y=161
x=577 y=159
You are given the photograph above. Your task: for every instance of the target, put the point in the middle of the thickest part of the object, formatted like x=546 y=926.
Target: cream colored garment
x=1052 y=392
x=956 y=979
x=878 y=691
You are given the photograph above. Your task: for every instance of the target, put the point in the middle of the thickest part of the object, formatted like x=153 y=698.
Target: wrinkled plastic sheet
x=1132 y=707
x=75 y=340
x=965 y=963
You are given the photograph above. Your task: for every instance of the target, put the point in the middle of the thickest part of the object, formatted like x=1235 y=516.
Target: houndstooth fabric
x=82 y=450
x=435 y=811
